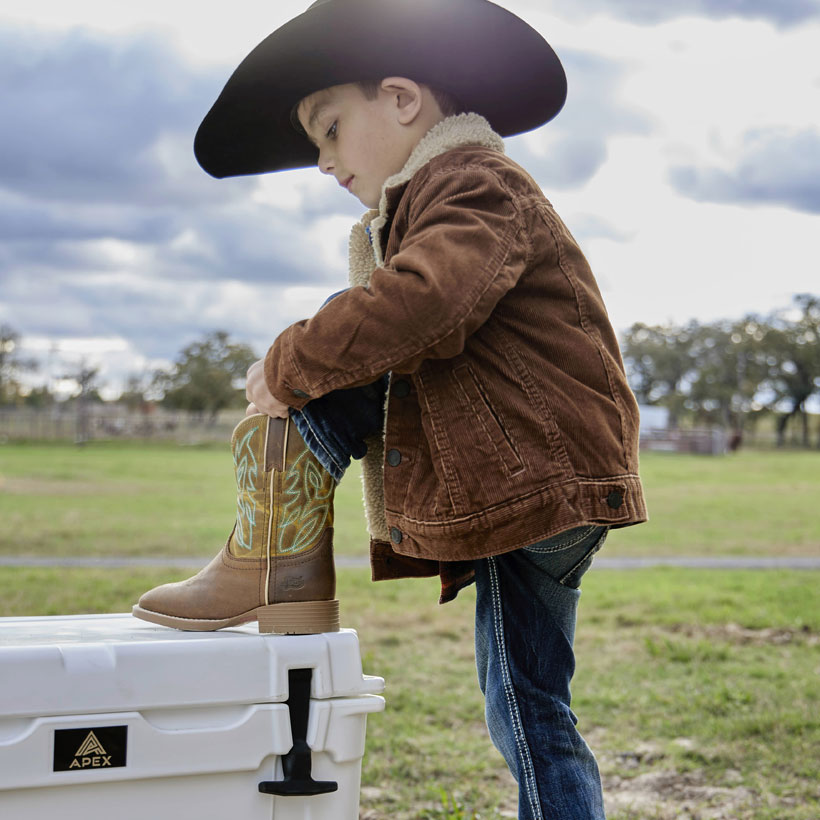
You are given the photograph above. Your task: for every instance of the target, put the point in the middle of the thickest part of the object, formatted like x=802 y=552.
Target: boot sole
x=292 y=618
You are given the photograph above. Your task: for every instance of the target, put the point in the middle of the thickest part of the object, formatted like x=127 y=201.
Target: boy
x=471 y=362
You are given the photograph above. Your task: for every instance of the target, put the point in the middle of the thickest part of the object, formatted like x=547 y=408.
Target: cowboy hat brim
x=486 y=57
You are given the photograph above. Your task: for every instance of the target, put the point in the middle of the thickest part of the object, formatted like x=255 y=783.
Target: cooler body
x=107 y=713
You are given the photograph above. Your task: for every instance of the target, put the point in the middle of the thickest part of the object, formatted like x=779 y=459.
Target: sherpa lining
x=365 y=254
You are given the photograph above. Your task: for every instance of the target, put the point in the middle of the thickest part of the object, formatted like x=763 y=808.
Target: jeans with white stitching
x=526 y=603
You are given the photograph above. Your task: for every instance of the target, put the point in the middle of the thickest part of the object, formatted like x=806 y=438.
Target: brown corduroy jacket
x=508 y=418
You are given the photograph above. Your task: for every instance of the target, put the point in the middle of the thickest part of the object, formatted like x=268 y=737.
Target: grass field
x=165 y=500
x=697 y=689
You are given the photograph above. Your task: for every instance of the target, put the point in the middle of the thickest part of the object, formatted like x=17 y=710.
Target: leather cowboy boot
x=277 y=565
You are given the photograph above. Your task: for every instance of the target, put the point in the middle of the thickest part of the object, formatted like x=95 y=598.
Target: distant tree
x=660 y=362
x=86 y=393
x=730 y=366
x=133 y=397
x=794 y=363
x=86 y=378
x=204 y=375
x=39 y=397
x=728 y=372
x=11 y=365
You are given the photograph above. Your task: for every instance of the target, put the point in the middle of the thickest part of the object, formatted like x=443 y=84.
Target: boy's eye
x=331 y=132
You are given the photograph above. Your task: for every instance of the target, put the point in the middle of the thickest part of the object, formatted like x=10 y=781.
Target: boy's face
x=361 y=142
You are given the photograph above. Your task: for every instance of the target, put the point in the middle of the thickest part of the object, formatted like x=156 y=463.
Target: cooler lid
x=103 y=663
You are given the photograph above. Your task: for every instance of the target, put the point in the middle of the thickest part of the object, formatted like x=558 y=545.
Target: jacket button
x=400 y=389
x=395 y=535
x=300 y=393
x=393 y=458
x=615 y=499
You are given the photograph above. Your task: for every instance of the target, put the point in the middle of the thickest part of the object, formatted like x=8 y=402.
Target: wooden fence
x=103 y=422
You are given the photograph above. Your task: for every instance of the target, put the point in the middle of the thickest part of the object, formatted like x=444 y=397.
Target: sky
x=686 y=162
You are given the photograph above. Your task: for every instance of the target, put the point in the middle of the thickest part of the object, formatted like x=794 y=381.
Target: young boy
x=471 y=362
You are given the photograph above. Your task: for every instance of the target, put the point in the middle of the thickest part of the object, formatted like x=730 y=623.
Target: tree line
x=727 y=373
x=731 y=372
x=206 y=377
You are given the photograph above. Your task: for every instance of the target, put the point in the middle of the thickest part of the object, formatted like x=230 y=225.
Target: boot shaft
x=284 y=496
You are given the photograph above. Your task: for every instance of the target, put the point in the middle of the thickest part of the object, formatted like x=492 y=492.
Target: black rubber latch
x=296 y=764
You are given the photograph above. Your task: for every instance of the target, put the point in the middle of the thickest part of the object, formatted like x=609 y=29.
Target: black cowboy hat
x=491 y=61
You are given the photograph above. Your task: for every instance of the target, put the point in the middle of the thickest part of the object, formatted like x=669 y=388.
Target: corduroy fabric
x=519 y=423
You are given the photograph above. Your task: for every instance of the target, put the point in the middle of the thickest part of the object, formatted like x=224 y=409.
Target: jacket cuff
x=282 y=376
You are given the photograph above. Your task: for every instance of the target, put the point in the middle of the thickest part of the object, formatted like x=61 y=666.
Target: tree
x=11 y=365
x=39 y=397
x=87 y=391
x=659 y=362
x=204 y=375
x=794 y=364
x=134 y=395
x=729 y=365
x=728 y=372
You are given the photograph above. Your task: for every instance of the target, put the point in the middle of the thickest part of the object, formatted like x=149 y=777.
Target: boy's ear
x=406 y=97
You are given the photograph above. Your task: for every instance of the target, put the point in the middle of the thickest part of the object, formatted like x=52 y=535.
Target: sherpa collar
x=452 y=132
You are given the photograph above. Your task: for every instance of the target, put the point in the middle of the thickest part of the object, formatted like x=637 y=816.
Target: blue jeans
x=526 y=603
x=336 y=425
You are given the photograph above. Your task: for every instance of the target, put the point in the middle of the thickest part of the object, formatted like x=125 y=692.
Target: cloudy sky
x=686 y=162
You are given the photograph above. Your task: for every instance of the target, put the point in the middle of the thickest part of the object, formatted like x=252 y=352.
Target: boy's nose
x=325 y=163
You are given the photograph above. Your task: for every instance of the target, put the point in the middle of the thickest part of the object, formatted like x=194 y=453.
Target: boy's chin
x=368 y=202
x=370 y=199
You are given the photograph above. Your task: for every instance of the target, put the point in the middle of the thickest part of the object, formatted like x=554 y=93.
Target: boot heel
x=299 y=617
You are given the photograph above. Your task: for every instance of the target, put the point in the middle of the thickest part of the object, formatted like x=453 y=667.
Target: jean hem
x=315 y=445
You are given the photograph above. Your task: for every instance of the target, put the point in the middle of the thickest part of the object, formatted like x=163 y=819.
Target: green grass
x=153 y=499
x=747 y=503
x=697 y=689
x=132 y=499
x=693 y=687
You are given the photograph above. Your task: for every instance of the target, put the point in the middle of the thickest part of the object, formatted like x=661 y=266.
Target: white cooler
x=110 y=716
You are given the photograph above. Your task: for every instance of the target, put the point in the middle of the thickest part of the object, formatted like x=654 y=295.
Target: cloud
x=780 y=12
x=568 y=151
x=25 y=218
x=586 y=227
x=86 y=118
x=775 y=167
x=106 y=218
x=107 y=224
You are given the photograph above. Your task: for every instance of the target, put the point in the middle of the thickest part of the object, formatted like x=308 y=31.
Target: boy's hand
x=260 y=398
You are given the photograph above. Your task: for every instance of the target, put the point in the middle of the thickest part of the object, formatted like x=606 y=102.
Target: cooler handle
x=296 y=764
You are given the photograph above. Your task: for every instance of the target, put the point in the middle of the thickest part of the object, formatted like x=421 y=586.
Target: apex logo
x=91 y=753
x=294 y=582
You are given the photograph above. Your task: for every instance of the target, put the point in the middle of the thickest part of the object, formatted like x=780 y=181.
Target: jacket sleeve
x=463 y=249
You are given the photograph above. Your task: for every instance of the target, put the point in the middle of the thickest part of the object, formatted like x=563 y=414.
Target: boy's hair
x=448 y=104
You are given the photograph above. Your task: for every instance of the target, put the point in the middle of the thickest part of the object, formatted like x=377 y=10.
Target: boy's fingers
x=254 y=372
x=259 y=396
